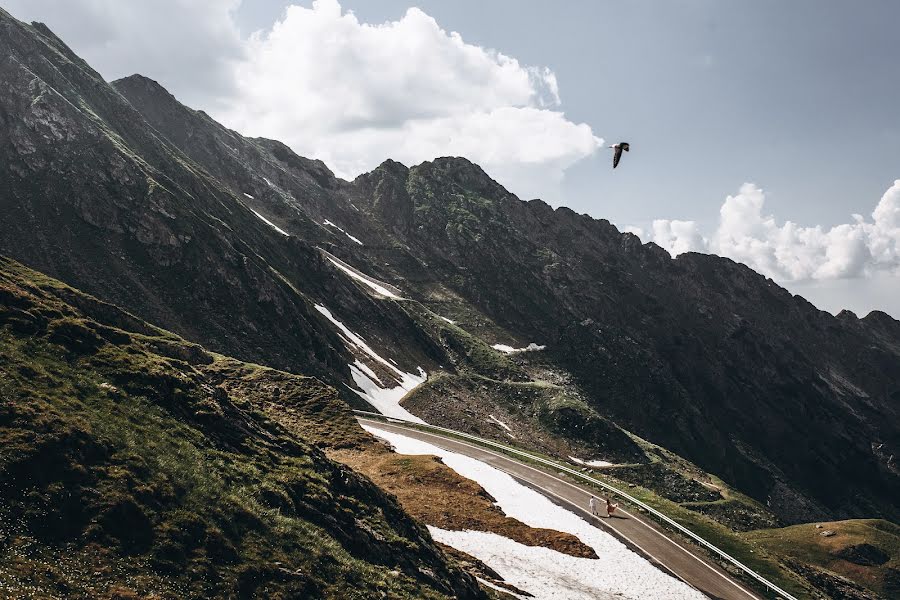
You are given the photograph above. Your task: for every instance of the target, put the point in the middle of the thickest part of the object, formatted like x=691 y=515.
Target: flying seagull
x=617 y=156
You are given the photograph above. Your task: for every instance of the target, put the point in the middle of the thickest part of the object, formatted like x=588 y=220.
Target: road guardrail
x=561 y=467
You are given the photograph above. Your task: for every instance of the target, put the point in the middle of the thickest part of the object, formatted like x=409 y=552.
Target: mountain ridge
x=132 y=196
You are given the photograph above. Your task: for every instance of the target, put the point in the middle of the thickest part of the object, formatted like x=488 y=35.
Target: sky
x=765 y=131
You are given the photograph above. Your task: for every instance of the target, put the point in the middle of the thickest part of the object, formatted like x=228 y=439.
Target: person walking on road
x=610 y=507
x=593 y=504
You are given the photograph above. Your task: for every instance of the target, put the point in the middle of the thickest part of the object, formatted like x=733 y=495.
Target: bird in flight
x=617 y=152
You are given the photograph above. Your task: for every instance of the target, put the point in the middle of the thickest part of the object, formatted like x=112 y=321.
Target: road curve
x=640 y=534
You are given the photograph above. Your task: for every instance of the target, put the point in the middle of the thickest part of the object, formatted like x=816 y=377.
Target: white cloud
x=350 y=93
x=790 y=252
x=354 y=93
x=677 y=237
x=190 y=46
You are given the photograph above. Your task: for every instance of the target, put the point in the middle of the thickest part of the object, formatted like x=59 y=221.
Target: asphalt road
x=640 y=534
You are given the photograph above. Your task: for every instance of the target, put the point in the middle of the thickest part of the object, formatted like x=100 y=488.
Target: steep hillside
x=92 y=195
x=865 y=551
x=133 y=462
x=701 y=355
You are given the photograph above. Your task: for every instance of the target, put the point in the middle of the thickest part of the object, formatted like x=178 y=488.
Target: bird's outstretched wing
x=617 y=156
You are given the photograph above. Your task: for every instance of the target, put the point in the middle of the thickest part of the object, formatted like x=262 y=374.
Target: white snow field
x=532 y=347
x=548 y=574
x=371 y=389
x=271 y=224
x=330 y=224
x=365 y=281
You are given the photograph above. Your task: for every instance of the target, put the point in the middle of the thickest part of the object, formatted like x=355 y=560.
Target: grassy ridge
x=133 y=463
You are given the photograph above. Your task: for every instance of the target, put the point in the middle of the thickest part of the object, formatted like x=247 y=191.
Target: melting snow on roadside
x=385 y=399
x=271 y=224
x=532 y=347
x=619 y=573
x=330 y=224
x=364 y=280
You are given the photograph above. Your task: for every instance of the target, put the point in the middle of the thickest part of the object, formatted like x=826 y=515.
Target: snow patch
x=330 y=224
x=385 y=399
x=591 y=463
x=270 y=223
x=500 y=423
x=496 y=587
x=543 y=573
x=365 y=280
x=532 y=347
x=365 y=369
x=619 y=573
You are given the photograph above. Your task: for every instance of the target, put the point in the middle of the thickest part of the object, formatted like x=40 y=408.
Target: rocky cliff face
x=142 y=201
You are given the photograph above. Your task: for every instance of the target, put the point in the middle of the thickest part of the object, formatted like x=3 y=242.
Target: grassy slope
x=806 y=544
x=133 y=463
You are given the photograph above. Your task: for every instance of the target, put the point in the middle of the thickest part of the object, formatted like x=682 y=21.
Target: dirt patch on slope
x=438 y=496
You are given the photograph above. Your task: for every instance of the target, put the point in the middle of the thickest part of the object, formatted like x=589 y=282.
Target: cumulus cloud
x=790 y=252
x=350 y=93
x=677 y=237
x=354 y=93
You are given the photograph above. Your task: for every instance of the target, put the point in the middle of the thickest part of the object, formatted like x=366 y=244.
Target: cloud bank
x=354 y=93
x=790 y=252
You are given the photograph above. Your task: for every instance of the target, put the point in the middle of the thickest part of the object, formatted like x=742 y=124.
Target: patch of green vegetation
x=866 y=551
x=134 y=465
x=470 y=353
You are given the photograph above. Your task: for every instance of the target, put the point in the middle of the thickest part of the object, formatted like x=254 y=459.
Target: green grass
x=806 y=544
x=470 y=353
x=133 y=464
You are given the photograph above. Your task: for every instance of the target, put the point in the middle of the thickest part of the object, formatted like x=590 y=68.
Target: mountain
x=242 y=246
x=135 y=464
x=699 y=354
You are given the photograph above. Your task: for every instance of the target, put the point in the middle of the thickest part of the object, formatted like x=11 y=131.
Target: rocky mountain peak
x=464 y=174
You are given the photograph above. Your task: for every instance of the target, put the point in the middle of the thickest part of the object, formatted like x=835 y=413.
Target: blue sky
x=797 y=98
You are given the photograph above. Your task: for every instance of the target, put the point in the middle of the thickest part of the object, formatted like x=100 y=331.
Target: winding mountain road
x=640 y=534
